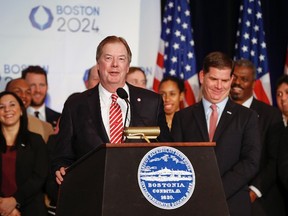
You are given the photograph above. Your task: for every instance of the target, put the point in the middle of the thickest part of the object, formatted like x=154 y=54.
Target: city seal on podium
x=166 y=177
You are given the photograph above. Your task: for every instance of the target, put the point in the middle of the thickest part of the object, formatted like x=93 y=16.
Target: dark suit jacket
x=237 y=147
x=266 y=181
x=82 y=128
x=51 y=186
x=283 y=164
x=283 y=158
x=52 y=116
x=31 y=173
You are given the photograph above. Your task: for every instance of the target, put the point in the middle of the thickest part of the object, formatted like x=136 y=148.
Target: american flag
x=176 y=56
x=251 y=45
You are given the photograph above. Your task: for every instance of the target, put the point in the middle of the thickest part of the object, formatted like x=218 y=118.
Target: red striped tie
x=213 y=121
x=115 y=121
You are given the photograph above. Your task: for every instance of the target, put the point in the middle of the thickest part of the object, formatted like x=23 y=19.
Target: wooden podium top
x=172 y=144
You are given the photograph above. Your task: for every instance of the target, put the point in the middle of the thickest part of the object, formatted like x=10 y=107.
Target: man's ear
x=201 y=77
x=97 y=68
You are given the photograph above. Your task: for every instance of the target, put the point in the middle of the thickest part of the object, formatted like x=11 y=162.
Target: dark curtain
x=215 y=24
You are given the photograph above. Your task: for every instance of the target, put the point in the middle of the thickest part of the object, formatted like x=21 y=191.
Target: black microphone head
x=122 y=93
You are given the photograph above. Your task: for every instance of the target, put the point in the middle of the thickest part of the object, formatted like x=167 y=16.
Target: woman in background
x=172 y=91
x=23 y=161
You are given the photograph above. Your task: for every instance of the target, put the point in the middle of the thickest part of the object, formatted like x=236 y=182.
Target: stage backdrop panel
x=62 y=37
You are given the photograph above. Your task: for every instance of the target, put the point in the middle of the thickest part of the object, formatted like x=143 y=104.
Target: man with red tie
x=86 y=122
x=235 y=133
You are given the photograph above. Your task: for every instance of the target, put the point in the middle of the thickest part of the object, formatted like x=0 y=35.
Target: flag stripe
x=260 y=92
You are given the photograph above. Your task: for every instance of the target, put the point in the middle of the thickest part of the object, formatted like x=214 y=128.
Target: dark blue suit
x=52 y=116
x=283 y=165
x=237 y=148
x=271 y=126
x=82 y=128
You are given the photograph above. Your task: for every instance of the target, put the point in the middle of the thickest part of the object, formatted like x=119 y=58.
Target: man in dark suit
x=265 y=196
x=85 y=119
x=283 y=165
x=237 y=137
x=36 y=77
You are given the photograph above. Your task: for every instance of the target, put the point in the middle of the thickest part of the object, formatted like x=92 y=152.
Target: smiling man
x=237 y=136
x=264 y=191
x=87 y=122
x=36 y=78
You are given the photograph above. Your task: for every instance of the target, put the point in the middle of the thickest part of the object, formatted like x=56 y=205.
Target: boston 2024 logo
x=41 y=17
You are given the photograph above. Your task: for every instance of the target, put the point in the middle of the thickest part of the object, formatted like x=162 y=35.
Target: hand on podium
x=59 y=175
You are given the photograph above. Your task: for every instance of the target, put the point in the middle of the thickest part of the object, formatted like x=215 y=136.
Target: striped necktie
x=115 y=121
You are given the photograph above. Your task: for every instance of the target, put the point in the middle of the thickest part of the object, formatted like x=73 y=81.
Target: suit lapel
x=135 y=101
x=227 y=115
x=199 y=115
x=95 y=113
x=256 y=107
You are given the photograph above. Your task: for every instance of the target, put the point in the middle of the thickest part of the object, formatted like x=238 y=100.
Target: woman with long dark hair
x=23 y=161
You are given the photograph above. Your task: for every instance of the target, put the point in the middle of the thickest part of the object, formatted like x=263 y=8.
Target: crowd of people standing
x=37 y=144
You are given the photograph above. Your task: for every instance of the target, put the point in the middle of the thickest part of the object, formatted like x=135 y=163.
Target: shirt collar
x=41 y=109
x=107 y=95
x=220 y=105
x=248 y=102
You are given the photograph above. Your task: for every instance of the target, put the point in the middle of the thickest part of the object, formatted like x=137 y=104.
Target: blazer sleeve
x=267 y=176
x=31 y=169
x=63 y=154
x=176 y=130
x=283 y=159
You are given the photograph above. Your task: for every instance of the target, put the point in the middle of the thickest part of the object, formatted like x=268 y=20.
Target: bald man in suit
x=237 y=137
x=265 y=194
x=84 y=123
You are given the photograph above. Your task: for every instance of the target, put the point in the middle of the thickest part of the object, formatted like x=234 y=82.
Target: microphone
x=123 y=95
x=145 y=132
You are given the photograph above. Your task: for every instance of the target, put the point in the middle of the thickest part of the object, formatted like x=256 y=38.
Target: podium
x=104 y=183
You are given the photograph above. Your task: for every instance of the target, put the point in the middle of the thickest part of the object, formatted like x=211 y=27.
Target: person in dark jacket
x=23 y=161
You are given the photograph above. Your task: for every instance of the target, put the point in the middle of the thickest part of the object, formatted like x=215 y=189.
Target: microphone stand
x=126 y=116
x=123 y=94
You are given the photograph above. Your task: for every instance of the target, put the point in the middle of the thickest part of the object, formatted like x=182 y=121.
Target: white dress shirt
x=105 y=103
x=41 y=110
x=208 y=110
